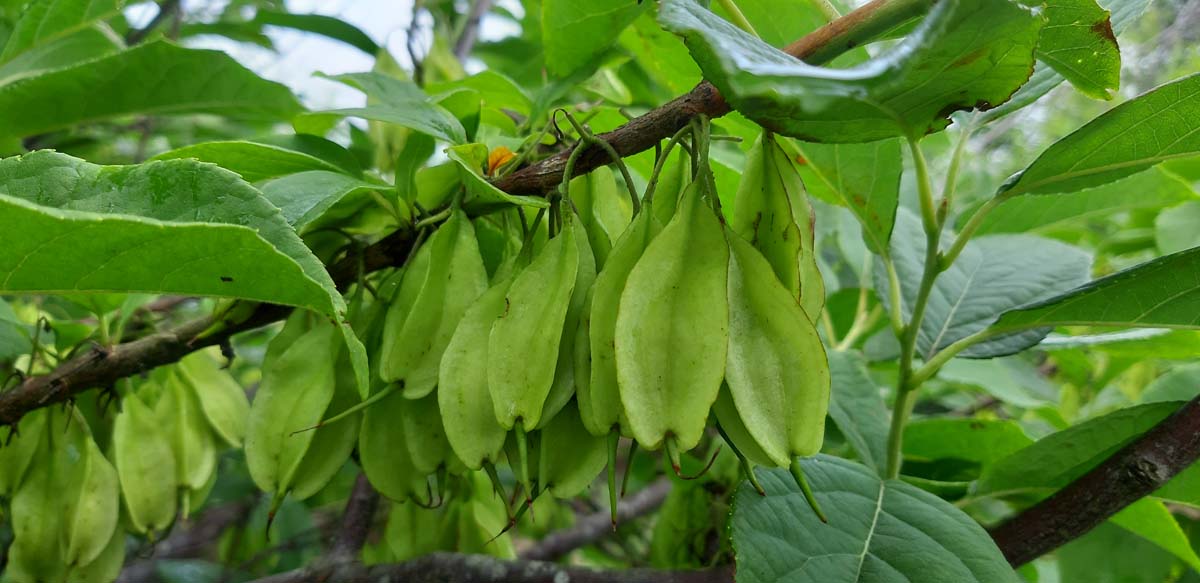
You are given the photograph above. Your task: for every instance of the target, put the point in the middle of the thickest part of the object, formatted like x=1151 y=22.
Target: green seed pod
x=523 y=346
x=468 y=416
x=567 y=471
x=145 y=464
x=776 y=368
x=191 y=439
x=106 y=567
x=331 y=444
x=604 y=210
x=600 y=403
x=455 y=277
x=424 y=435
x=563 y=387
x=481 y=517
x=773 y=213
x=672 y=325
x=413 y=531
x=295 y=392
x=383 y=455
x=222 y=400
x=672 y=183
x=16 y=452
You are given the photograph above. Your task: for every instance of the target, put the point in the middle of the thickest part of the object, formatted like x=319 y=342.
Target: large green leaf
x=1151 y=189
x=1078 y=42
x=482 y=195
x=575 y=33
x=864 y=177
x=1180 y=384
x=1164 y=292
x=878 y=532
x=1110 y=554
x=965 y=54
x=155 y=78
x=402 y=103
x=1160 y=125
x=1044 y=79
x=1058 y=459
x=1151 y=520
x=49 y=250
x=1175 y=229
x=255 y=160
x=93 y=42
x=46 y=21
x=169 y=191
x=1010 y=380
x=321 y=24
x=857 y=408
x=313 y=197
x=993 y=274
x=982 y=441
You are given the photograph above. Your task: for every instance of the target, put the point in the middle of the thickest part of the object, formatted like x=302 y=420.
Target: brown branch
x=1135 y=471
x=446 y=567
x=470 y=31
x=356 y=522
x=642 y=133
x=597 y=526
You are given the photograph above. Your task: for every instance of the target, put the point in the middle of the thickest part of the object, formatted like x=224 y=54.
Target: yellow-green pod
x=671 y=328
x=107 y=565
x=455 y=277
x=17 y=451
x=776 y=368
x=145 y=465
x=567 y=469
x=192 y=441
x=481 y=517
x=38 y=509
x=331 y=444
x=523 y=346
x=92 y=506
x=295 y=392
x=383 y=455
x=424 y=435
x=221 y=398
x=603 y=208
x=672 y=182
x=563 y=387
x=773 y=213
x=401 y=291
x=468 y=416
x=600 y=403
x=734 y=431
x=413 y=531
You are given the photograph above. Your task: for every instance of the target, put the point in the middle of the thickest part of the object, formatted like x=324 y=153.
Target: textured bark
x=1135 y=471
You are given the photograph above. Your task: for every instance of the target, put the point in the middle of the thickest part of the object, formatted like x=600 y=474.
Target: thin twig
x=470 y=31
x=598 y=525
x=356 y=522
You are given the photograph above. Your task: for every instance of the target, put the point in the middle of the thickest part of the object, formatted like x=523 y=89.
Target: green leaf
x=85 y=45
x=865 y=177
x=482 y=196
x=310 y=197
x=1164 y=292
x=1011 y=380
x=1151 y=520
x=14 y=339
x=1161 y=125
x=170 y=192
x=1078 y=42
x=982 y=441
x=256 y=161
x=58 y=251
x=878 y=532
x=965 y=54
x=155 y=78
x=327 y=26
x=1175 y=228
x=1110 y=554
x=1058 y=459
x=1044 y=79
x=400 y=102
x=1180 y=384
x=1151 y=189
x=46 y=21
x=575 y=33
x=857 y=408
x=993 y=274
x=494 y=88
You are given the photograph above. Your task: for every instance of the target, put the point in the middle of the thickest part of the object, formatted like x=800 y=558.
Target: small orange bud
x=499 y=157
